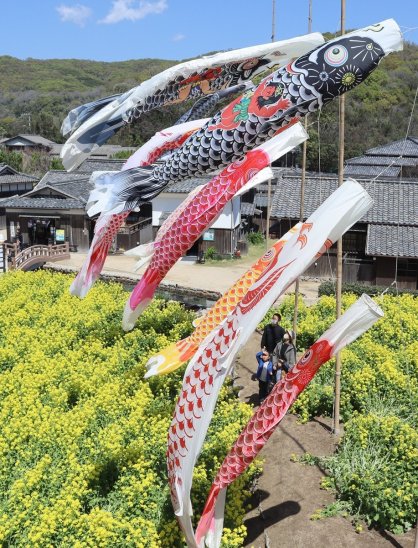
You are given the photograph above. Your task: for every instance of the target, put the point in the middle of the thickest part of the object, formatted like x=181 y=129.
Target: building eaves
x=185 y=187
x=352 y=170
x=403 y=147
x=392 y=241
x=247 y=209
x=394 y=201
x=23 y=202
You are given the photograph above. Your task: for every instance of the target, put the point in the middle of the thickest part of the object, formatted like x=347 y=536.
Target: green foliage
x=12 y=159
x=210 y=253
x=255 y=238
x=122 y=155
x=56 y=164
x=375 y=470
x=328 y=288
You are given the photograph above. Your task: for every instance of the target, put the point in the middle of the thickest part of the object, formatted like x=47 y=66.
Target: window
x=354 y=242
x=408 y=268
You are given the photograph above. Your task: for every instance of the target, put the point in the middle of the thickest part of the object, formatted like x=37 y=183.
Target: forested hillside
x=35 y=96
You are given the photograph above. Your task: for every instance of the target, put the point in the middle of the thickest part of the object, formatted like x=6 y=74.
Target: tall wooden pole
x=339 y=246
x=302 y=193
x=273 y=37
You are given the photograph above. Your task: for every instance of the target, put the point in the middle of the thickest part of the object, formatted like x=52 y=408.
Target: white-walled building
x=223 y=234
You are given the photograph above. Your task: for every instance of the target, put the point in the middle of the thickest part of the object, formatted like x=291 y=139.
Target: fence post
x=3 y=258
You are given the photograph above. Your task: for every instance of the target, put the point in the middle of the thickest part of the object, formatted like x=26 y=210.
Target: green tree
x=12 y=159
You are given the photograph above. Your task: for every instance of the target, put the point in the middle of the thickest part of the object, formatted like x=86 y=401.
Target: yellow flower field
x=82 y=435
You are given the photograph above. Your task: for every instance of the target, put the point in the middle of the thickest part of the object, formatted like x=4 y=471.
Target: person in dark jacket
x=284 y=355
x=264 y=374
x=272 y=334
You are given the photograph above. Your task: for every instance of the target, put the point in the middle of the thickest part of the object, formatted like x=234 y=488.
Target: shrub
x=328 y=288
x=376 y=470
x=255 y=238
x=210 y=253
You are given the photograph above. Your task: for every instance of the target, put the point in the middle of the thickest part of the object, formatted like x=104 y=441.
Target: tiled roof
x=371 y=171
x=23 y=202
x=37 y=139
x=384 y=240
x=247 y=209
x=261 y=200
x=382 y=161
x=54 y=177
x=408 y=147
x=10 y=175
x=74 y=185
x=77 y=184
x=105 y=151
x=387 y=195
x=95 y=164
x=186 y=186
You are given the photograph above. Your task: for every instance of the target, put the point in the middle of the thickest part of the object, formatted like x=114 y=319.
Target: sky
x=118 y=30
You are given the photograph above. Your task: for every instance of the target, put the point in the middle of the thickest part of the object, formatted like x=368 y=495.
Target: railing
x=36 y=254
x=131 y=229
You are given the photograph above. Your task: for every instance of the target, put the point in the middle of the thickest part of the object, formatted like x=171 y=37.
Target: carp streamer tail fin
x=80 y=114
x=171 y=358
x=105 y=230
x=144 y=253
x=123 y=190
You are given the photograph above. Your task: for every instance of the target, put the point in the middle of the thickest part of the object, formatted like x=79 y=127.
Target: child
x=264 y=374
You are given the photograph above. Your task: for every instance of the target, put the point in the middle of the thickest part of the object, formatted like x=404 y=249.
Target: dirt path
x=288 y=493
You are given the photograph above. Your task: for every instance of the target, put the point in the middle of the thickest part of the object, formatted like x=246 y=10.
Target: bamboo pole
x=416 y=534
x=273 y=37
x=337 y=389
x=302 y=194
x=268 y=215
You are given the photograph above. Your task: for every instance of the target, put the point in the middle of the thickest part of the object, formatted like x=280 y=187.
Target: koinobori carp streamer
x=353 y=323
x=208 y=368
x=300 y=87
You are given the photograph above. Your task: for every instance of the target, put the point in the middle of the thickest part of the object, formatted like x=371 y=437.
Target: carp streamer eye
x=348 y=79
x=336 y=56
x=268 y=255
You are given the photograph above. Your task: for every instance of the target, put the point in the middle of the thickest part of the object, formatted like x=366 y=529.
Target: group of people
x=277 y=356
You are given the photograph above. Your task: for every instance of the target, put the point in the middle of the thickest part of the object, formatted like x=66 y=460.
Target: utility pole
x=302 y=192
x=29 y=117
x=341 y=143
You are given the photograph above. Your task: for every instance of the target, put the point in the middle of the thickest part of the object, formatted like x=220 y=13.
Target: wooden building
x=13 y=182
x=398 y=160
x=27 y=143
x=54 y=211
x=384 y=243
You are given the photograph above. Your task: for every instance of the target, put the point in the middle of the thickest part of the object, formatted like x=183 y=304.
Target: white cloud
x=77 y=14
x=132 y=10
x=178 y=37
